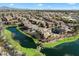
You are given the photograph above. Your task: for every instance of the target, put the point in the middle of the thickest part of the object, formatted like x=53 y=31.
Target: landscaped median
x=60 y=41
x=16 y=45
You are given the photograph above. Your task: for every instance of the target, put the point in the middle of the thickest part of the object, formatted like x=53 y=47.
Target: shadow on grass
x=71 y=49
x=24 y=40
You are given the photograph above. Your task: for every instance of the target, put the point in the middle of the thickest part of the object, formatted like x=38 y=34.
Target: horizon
x=41 y=6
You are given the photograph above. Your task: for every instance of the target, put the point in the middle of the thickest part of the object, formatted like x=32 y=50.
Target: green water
x=69 y=49
x=24 y=40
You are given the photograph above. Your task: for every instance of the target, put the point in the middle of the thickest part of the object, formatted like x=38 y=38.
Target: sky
x=66 y=6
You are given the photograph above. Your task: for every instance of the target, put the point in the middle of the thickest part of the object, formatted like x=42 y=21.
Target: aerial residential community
x=38 y=32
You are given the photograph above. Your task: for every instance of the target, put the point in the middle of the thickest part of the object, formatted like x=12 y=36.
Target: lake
x=65 y=49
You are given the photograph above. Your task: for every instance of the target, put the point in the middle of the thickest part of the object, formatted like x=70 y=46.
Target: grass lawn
x=15 y=44
x=60 y=41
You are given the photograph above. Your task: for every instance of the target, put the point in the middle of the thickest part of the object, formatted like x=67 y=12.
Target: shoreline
x=16 y=45
x=60 y=41
x=47 y=44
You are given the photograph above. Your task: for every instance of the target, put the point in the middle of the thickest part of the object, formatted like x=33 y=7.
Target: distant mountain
x=4 y=7
x=10 y=8
x=7 y=8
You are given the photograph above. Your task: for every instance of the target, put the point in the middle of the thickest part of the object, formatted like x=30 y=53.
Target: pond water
x=24 y=40
x=65 y=49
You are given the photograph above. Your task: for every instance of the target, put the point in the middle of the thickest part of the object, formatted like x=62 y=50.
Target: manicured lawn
x=60 y=41
x=15 y=44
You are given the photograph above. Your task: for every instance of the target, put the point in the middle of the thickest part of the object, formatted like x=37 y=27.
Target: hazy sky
x=42 y=5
